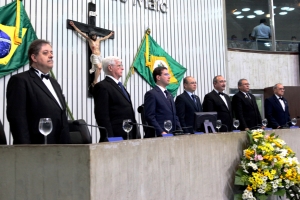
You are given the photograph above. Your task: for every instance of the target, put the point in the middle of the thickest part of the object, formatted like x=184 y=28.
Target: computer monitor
x=200 y=117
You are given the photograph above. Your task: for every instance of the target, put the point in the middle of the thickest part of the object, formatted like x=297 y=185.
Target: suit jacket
x=111 y=108
x=275 y=114
x=157 y=109
x=213 y=103
x=185 y=109
x=28 y=100
x=246 y=110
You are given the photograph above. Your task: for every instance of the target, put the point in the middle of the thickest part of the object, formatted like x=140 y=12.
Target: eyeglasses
x=166 y=74
x=121 y=65
x=222 y=81
x=192 y=83
x=281 y=89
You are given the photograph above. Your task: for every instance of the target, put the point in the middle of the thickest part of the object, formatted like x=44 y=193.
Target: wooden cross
x=87 y=28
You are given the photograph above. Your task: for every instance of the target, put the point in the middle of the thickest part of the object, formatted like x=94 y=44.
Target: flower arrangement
x=268 y=167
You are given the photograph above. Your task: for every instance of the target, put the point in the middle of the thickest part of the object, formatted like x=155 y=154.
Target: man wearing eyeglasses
x=218 y=101
x=187 y=104
x=159 y=104
x=245 y=107
x=277 y=109
x=112 y=101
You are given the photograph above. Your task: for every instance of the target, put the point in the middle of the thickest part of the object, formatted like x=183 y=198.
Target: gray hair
x=215 y=80
x=110 y=60
x=240 y=81
x=275 y=86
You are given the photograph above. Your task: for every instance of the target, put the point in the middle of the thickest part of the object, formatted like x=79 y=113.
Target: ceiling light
x=259 y=12
x=290 y=9
x=285 y=8
x=282 y=13
x=237 y=12
x=274 y=7
x=268 y=15
x=240 y=16
x=245 y=9
x=250 y=16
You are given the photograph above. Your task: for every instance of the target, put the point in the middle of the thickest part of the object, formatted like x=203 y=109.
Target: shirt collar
x=162 y=89
x=117 y=81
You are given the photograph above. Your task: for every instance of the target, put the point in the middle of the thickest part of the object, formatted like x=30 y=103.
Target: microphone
x=131 y=123
x=180 y=131
x=290 y=122
x=144 y=125
x=77 y=122
x=258 y=126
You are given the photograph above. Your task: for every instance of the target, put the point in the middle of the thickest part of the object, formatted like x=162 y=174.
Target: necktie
x=124 y=91
x=280 y=98
x=195 y=101
x=168 y=97
x=46 y=76
x=221 y=93
x=248 y=95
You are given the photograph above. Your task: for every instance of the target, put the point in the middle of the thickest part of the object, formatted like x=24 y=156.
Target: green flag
x=150 y=56
x=16 y=34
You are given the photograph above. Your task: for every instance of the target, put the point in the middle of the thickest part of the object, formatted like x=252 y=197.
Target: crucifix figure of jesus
x=94 y=43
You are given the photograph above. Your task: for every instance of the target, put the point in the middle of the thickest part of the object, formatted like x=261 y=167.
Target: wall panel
x=191 y=32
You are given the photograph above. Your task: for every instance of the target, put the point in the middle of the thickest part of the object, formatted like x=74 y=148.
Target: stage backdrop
x=192 y=32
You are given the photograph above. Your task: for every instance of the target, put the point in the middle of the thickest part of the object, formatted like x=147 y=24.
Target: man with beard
x=217 y=101
x=94 y=43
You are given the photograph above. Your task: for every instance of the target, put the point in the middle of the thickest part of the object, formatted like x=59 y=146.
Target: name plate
x=114 y=139
x=167 y=135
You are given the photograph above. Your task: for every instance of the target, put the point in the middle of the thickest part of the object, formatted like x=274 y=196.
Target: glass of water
x=236 y=124
x=218 y=124
x=45 y=127
x=294 y=121
x=127 y=126
x=168 y=125
x=264 y=122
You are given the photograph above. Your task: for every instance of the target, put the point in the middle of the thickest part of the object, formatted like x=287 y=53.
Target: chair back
x=79 y=133
x=2 y=135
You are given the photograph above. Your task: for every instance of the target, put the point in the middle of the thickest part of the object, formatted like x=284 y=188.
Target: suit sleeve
x=208 y=104
x=150 y=105
x=101 y=101
x=16 y=110
x=238 y=110
x=269 y=114
x=180 y=111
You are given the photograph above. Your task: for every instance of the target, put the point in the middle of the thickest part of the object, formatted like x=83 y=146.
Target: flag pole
x=67 y=106
x=131 y=69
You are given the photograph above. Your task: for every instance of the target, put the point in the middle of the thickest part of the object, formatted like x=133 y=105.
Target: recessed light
x=250 y=16
x=245 y=9
x=290 y=9
x=240 y=16
x=237 y=12
x=285 y=8
x=282 y=13
x=274 y=7
x=259 y=12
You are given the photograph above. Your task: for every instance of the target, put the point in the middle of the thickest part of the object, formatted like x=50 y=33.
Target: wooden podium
x=292 y=94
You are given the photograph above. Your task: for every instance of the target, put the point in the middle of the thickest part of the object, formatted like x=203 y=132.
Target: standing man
x=187 y=104
x=277 y=109
x=32 y=95
x=94 y=44
x=217 y=101
x=245 y=107
x=159 y=104
x=262 y=31
x=112 y=101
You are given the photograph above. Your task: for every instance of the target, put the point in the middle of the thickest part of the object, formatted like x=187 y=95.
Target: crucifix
x=90 y=32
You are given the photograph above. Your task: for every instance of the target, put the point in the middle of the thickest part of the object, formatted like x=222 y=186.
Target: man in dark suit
x=112 y=101
x=217 y=101
x=159 y=104
x=277 y=109
x=32 y=95
x=245 y=107
x=187 y=104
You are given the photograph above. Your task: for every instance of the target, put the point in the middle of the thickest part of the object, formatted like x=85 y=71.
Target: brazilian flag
x=16 y=34
x=151 y=55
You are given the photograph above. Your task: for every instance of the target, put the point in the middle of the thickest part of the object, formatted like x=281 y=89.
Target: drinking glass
x=45 y=127
x=236 y=123
x=218 y=124
x=127 y=126
x=294 y=121
x=168 y=125
x=264 y=122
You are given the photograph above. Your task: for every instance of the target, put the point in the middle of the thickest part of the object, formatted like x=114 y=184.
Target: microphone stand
x=144 y=125
x=76 y=122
